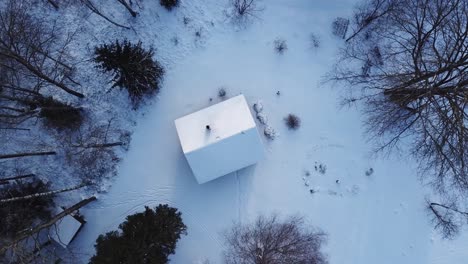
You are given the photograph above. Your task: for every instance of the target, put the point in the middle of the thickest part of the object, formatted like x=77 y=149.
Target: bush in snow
x=292 y=121
x=280 y=45
x=21 y=214
x=340 y=27
x=271 y=240
x=169 y=4
x=147 y=237
x=262 y=118
x=315 y=40
x=270 y=133
x=133 y=67
x=60 y=115
x=242 y=10
x=258 y=107
x=187 y=20
x=222 y=92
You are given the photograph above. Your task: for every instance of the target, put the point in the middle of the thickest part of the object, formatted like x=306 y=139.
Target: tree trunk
x=94 y=9
x=35 y=195
x=45 y=225
x=27 y=154
x=55 y=5
x=104 y=145
x=128 y=7
x=41 y=75
x=5 y=180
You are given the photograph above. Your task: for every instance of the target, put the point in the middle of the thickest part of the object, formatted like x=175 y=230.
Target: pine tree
x=147 y=237
x=133 y=67
x=169 y=4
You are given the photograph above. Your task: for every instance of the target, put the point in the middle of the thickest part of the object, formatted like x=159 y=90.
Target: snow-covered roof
x=65 y=230
x=231 y=143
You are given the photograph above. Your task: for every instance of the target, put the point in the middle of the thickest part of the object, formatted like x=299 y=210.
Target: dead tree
x=407 y=62
x=15 y=178
x=36 y=195
x=270 y=240
x=27 y=154
x=93 y=149
x=31 y=50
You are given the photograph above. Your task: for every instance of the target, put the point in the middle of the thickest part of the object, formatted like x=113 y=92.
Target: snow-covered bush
x=340 y=27
x=169 y=4
x=292 y=121
x=280 y=45
x=133 y=67
x=60 y=115
x=272 y=240
x=270 y=132
x=21 y=214
x=262 y=118
x=147 y=237
x=258 y=106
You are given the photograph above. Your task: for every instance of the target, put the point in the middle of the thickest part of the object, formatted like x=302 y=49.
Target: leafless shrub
x=315 y=41
x=280 y=45
x=292 y=121
x=175 y=40
x=274 y=241
x=243 y=10
x=198 y=33
x=187 y=20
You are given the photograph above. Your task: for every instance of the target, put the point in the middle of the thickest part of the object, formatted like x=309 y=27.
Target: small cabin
x=220 y=139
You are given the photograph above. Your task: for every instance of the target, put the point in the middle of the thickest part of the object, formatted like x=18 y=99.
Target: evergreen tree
x=133 y=67
x=169 y=4
x=147 y=237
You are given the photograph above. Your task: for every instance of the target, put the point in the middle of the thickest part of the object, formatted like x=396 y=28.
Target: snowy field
x=373 y=217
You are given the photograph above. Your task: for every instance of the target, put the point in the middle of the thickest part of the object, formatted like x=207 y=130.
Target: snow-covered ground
x=377 y=217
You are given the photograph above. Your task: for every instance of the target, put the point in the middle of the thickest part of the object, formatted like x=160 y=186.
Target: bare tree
x=33 y=52
x=271 y=241
x=447 y=218
x=92 y=151
x=407 y=61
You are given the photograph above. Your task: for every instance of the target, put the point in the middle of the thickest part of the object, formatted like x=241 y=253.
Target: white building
x=220 y=139
x=65 y=230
